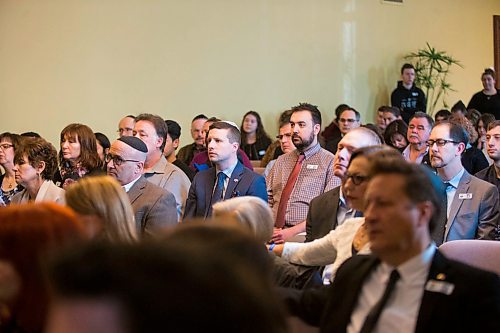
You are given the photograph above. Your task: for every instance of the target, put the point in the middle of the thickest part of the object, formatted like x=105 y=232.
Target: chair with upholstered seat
x=482 y=254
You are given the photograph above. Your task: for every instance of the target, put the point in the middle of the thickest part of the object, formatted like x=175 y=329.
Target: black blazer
x=322 y=214
x=473 y=306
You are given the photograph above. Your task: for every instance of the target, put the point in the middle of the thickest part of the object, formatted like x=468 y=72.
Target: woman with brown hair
x=254 y=139
x=8 y=185
x=29 y=233
x=35 y=163
x=78 y=155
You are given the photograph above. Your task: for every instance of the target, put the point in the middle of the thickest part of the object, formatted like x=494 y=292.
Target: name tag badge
x=312 y=166
x=439 y=287
x=465 y=196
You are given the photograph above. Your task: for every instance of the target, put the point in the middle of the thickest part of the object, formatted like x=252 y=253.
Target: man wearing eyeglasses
x=126 y=126
x=348 y=120
x=472 y=204
x=153 y=205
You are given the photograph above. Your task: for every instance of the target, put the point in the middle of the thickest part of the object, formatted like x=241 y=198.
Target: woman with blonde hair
x=105 y=207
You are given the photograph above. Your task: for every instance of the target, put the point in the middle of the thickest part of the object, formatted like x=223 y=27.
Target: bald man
x=153 y=206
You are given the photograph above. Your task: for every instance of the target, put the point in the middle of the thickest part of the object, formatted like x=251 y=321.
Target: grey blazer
x=153 y=206
x=474 y=210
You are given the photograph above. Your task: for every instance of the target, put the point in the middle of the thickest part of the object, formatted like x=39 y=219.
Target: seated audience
x=473 y=115
x=35 y=164
x=171 y=145
x=492 y=173
x=390 y=114
x=187 y=152
x=332 y=131
x=275 y=150
x=78 y=155
x=459 y=108
x=348 y=120
x=441 y=115
x=482 y=126
x=199 y=278
x=8 y=184
x=228 y=177
x=473 y=159
x=254 y=139
x=103 y=145
x=31 y=135
x=380 y=118
x=284 y=138
x=153 y=206
x=350 y=237
x=407 y=285
x=29 y=233
x=152 y=130
x=419 y=129
x=105 y=208
x=126 y=126
x=395 y=135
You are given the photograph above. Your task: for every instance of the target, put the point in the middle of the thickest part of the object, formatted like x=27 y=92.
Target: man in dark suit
x=472 y=204
x=227 y=179
x=407 y=285
x=153 y=205
x=331 y=209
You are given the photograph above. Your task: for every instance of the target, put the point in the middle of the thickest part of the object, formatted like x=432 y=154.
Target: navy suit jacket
x=473 y=306
x=243 y=182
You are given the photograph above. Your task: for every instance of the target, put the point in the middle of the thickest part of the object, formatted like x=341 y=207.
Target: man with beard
x=187 y=152
x=472 y=204
x=300 y=175
x=419 y=129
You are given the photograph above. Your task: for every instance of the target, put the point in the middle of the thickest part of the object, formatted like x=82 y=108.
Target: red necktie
x=287 y=191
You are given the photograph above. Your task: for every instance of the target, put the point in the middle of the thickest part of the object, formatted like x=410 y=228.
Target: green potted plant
x=432 y=68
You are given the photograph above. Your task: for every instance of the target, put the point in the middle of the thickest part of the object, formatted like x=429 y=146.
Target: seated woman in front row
x=349 y=238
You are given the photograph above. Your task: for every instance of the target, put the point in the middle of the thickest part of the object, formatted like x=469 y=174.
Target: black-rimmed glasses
x=117 y=160
x=439 y=142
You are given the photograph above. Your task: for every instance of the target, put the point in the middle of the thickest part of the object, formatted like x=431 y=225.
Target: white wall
x=93 y=61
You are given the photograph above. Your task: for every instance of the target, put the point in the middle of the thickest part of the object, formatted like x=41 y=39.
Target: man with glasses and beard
x=300 y=175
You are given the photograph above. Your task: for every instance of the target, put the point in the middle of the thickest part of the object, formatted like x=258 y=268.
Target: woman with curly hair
x=35 y=163
x=254 y=139
x=78 y=156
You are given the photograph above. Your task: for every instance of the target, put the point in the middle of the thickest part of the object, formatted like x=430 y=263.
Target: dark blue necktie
x=219 y=188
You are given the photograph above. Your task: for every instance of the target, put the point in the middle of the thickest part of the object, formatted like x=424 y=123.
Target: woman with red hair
x=29 y=234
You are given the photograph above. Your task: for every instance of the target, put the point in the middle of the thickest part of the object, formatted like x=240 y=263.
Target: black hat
x=135 y=143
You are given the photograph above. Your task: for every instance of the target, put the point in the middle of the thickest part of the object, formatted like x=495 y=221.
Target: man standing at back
x=152 y=130
x=301 y=175
x=472 y=204
x=228 y=177
x=407 y=96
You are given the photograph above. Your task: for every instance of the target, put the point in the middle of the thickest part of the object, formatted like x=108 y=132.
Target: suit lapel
x=137 y=189
x=431 y=301
x=335 y=204
x=463 y=187
x=209 y=188
x=234 y=181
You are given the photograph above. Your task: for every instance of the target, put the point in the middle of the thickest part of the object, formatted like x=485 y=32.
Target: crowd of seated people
x=102 y=216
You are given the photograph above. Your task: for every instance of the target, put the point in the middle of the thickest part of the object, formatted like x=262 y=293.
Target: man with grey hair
x=153 y=206
x=152 y=130
x=228 y=177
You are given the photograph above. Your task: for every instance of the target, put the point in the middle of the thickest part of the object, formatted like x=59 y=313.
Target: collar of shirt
x=310 y=151
x=406 y=153
x=228 y=172
x=414 y=270
x=341 y=198
x=159 y=167
x=128 y=186
x=456 y=179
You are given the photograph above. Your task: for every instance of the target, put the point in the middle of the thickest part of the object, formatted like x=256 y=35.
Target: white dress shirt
x=401 y=310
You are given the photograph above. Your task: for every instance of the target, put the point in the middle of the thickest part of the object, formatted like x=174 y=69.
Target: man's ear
x=159 y=141
x=316 y=128
x=175 y=143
